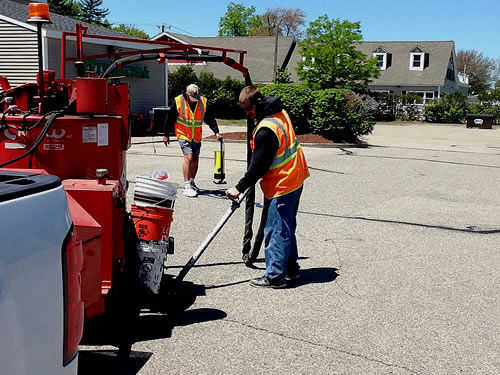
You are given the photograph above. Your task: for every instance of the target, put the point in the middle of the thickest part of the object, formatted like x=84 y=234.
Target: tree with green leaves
x=330 y=56
x=238 y=20
x=68 y=8
x=478 y=67
x=92 y=12
x=131 y=30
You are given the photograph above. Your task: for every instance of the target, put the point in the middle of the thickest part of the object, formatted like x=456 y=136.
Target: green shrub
x=449 y=109
x=225 y=100
x=208 y=84
x=396 y=106
x=338 y=114
x=179 y=79
x=296 y=99
x=283 y=76
x=490 y=104
x=222 y=95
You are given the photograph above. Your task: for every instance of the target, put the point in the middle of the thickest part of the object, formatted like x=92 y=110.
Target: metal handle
x=203 y=246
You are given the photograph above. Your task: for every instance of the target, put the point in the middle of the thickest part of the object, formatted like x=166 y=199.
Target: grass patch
x=224 y=122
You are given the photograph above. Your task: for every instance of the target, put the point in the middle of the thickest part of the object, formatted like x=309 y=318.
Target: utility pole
x=277 y=28
x=163 y=27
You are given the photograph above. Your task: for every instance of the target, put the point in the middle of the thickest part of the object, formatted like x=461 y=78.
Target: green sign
x=128 y=71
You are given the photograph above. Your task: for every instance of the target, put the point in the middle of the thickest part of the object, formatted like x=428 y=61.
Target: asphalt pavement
x=399 y=245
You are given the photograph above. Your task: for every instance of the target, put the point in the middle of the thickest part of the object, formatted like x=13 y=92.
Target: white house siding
x=54 y=52
x=147 y=93
x=18 y=54
x=144 y=93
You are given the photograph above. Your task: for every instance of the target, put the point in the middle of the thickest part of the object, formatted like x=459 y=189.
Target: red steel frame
x=81 y=32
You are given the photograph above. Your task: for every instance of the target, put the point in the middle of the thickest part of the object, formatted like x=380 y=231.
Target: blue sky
x=473 y=24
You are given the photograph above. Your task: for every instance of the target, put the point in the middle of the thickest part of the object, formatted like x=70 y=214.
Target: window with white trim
x=426 y=96
x=417 y=61
x=381 y=60
x=382 y=57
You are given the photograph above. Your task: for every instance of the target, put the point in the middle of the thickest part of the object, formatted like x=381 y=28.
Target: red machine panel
x=106 y=204
x=74 y=147
x=89 y=232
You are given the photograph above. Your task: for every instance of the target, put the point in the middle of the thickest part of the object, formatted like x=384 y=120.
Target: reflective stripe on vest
x=289 y=152
x=288 y=169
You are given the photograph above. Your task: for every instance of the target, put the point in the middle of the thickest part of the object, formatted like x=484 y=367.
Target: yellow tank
x=219 y=167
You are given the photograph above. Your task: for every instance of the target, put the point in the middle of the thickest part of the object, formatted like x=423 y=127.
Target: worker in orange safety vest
x=279 y=161
x=187 y=119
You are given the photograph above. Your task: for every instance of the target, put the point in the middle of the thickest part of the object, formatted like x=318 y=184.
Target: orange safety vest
x=289 y=168
x=188 y=123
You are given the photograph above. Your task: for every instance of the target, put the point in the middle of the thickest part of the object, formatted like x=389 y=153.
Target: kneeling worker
x=187 y=117
x=279 y=160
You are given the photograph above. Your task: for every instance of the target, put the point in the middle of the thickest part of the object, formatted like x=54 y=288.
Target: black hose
x=39 y=140
x=153 y=56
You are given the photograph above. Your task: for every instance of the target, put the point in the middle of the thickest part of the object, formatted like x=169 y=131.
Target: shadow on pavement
x=159 y=315
x=92 y=362
x=315 y=276
x=158 y=326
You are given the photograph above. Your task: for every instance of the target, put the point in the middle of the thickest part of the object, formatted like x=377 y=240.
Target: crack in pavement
x=352 y=354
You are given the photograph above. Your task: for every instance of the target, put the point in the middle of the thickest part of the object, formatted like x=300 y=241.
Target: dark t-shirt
x=173 y=114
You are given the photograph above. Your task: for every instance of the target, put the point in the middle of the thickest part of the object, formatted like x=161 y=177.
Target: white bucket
x=151 y=191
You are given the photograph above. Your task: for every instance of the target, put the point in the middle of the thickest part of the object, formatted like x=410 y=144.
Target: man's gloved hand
x=166 y=140
x=232 y=193
x=219 y=136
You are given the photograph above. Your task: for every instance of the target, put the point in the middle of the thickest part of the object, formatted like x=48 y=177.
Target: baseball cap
x=193 y=92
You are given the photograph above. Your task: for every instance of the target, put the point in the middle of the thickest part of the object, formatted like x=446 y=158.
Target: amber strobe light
x=38 y=12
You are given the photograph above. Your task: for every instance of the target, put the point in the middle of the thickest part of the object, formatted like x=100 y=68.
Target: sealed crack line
x=304 y=341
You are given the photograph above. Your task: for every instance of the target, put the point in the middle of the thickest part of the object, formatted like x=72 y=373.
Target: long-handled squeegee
x=203 y=246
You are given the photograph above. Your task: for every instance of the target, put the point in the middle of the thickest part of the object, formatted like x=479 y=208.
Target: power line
x=163 y=25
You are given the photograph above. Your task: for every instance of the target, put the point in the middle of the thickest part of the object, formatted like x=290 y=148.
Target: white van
x=41 y=310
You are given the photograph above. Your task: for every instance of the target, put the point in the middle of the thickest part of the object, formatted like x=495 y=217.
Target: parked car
x=41 y=309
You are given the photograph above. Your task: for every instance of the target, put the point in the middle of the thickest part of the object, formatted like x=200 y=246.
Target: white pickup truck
x=41 y=310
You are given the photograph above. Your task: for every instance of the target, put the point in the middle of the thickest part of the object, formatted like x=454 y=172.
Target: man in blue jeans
x=279 y=161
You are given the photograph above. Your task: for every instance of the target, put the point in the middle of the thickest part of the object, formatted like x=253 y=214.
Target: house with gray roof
x=19 y=53
x=259 y=60
x=427 y=69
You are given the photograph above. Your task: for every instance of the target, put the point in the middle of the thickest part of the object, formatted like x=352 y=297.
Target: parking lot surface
x=399 y=245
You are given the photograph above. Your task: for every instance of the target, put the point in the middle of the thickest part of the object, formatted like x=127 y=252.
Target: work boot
x=264 y=282
x=189 y=191
x=293 y=273
x=193 y=185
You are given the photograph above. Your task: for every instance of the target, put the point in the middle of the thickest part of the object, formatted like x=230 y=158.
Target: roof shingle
x=19 y=12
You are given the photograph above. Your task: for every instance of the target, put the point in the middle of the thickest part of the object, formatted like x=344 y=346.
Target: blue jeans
x=279 y=235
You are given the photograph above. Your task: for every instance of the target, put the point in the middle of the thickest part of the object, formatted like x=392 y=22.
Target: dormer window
x=383 y=58
x=417 y=59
